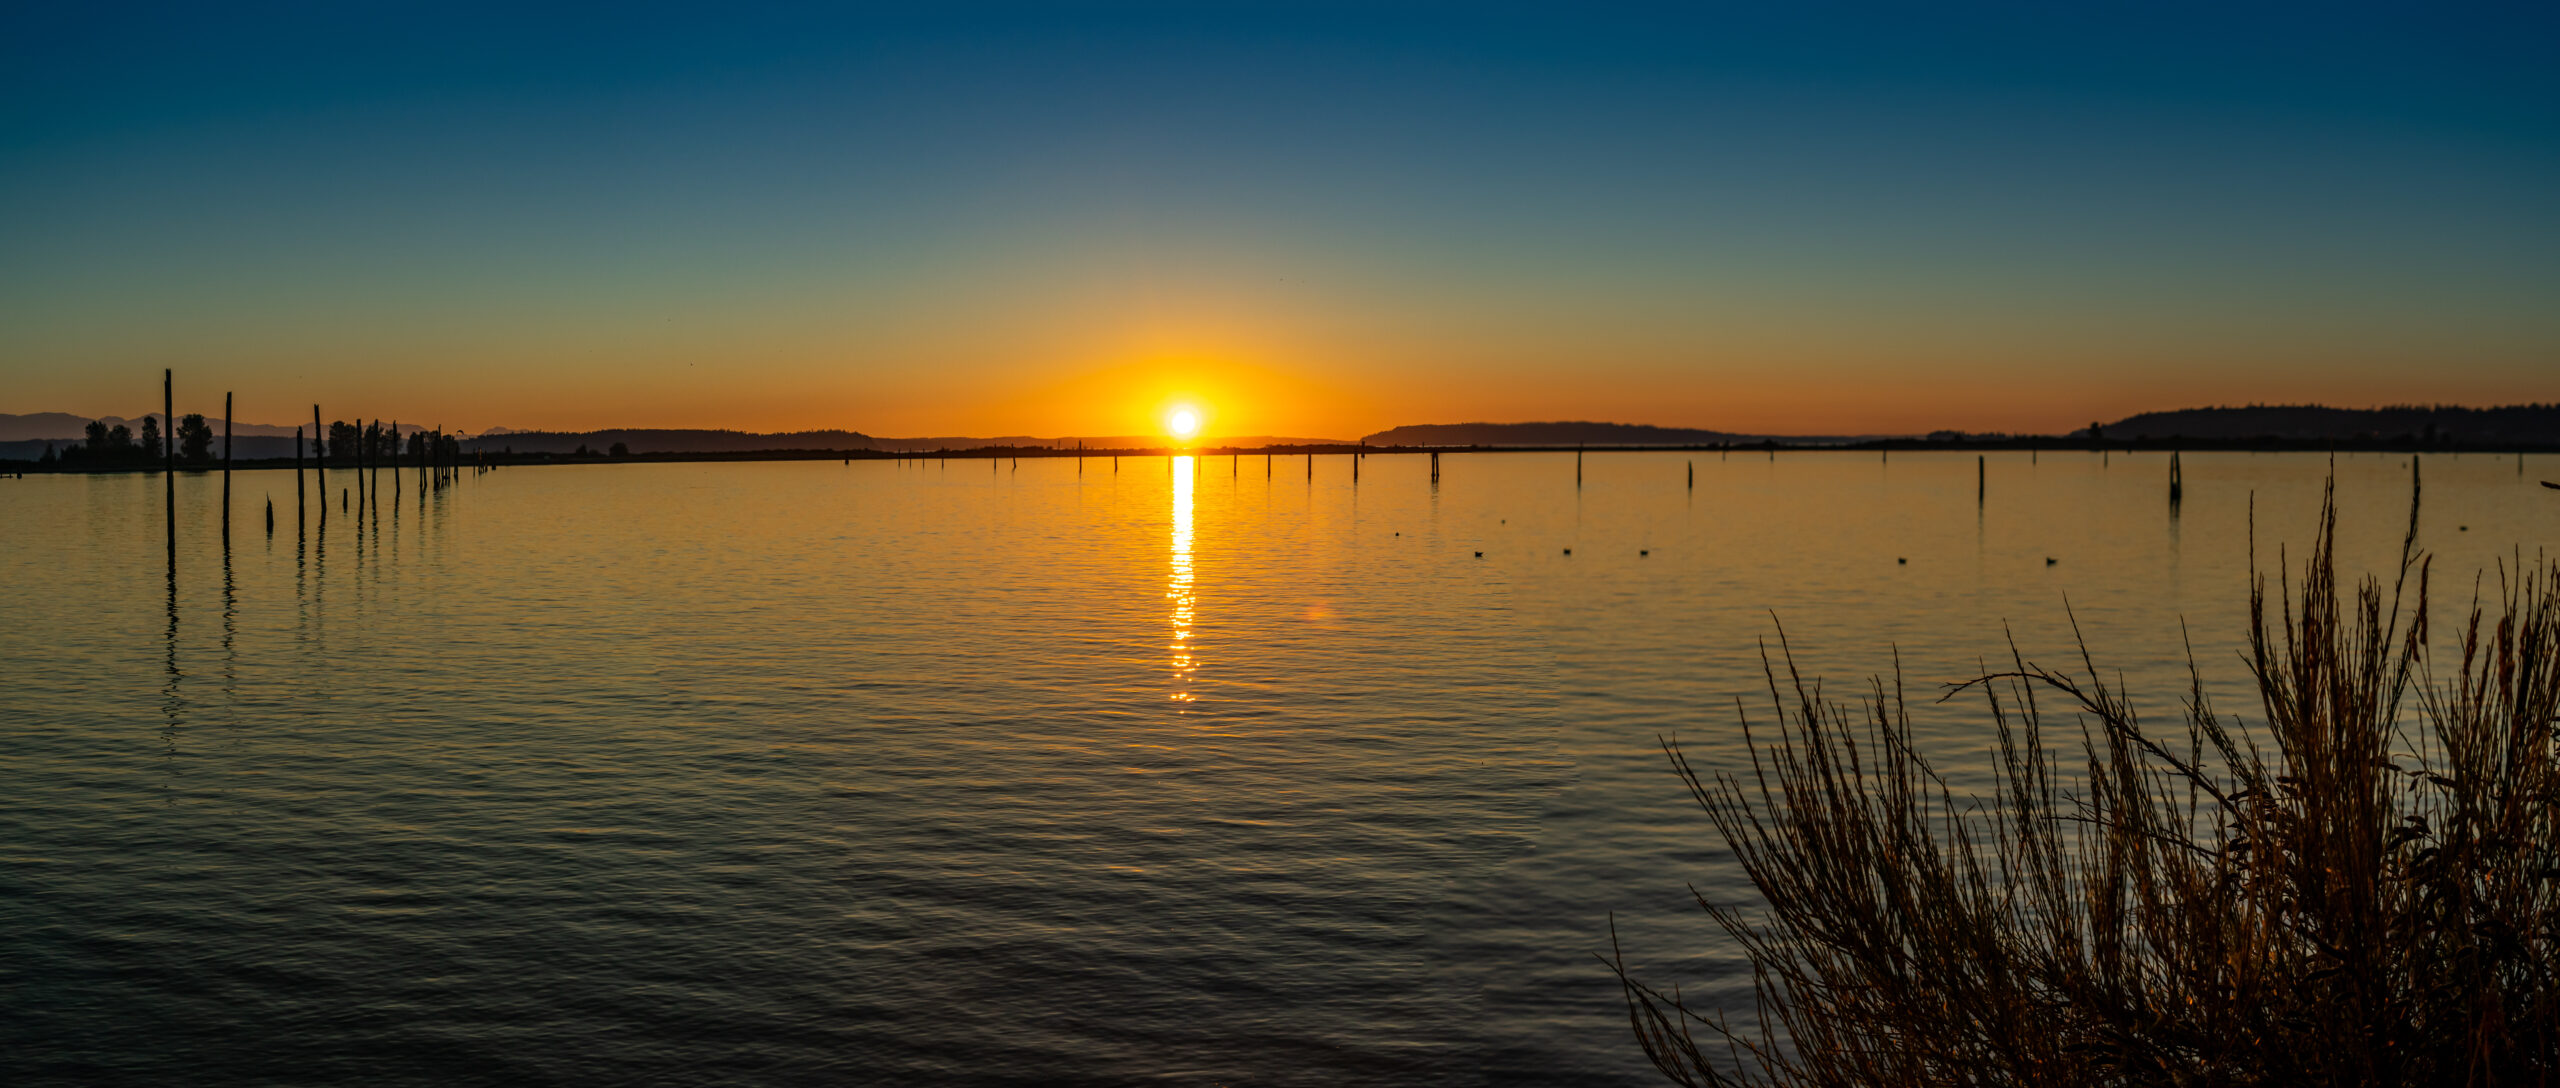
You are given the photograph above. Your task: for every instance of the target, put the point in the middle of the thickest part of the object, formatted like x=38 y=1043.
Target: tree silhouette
x=195 y=440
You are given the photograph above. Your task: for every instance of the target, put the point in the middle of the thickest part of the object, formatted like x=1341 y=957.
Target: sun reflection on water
x=1178 y=582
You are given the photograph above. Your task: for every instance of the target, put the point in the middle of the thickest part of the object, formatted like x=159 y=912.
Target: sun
x=1183 y=422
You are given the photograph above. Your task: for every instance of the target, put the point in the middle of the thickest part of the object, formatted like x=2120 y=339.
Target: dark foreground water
x=921 y=774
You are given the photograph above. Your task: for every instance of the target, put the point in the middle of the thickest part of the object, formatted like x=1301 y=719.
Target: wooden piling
x=1981 y=478
x=271 y=515
x=298 y=512
x=320 y=465
x=2177 y=480
x=226 y=468
x=169 y=444
x=1577 y=466
x=1435 y=466
x=1693 y=475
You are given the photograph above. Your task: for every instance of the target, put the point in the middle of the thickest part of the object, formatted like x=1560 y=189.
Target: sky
x=1304 y=219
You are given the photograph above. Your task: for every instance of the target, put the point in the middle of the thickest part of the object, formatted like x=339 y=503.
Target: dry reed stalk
x=2374 y=901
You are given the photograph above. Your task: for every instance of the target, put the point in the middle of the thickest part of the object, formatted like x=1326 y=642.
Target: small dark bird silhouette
x=1644 y=551
x=2552 y=486
x=1902 y=562
x=2048 y=560
x=1479 y=555
x=1568 y=551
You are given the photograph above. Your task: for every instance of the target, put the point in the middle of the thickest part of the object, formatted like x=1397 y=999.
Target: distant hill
x=2513 y=424
x=67 y=427
x=1566 y=434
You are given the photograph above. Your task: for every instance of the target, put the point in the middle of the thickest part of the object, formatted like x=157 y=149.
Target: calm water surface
x=1188 y=772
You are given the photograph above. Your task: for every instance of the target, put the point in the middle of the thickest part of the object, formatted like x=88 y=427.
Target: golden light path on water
x=1178 y=580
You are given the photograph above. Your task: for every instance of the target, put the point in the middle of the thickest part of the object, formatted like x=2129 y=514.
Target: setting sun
x=1182 y=423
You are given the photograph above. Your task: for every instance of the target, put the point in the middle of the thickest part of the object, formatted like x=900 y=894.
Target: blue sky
x=1050 y=218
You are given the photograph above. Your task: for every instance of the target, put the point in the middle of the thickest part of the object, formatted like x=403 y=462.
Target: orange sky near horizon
x=1073 y=375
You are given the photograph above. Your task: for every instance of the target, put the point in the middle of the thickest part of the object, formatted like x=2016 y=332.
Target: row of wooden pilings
x=439 y=462
x=1981 y=467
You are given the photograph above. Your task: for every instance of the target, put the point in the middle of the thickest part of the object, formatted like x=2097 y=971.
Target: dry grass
x=2374 y=901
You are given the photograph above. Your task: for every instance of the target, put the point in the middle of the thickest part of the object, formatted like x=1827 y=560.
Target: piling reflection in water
x=1178 y=588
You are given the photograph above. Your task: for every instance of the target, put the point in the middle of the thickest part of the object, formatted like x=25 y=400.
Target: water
x=799 y=773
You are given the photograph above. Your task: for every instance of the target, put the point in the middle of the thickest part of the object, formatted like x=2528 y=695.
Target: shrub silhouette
x=2376 y=900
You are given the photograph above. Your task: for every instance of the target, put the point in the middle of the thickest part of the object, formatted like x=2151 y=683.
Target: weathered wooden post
x=395 y=463
x=1693 y=475
x=1981 y=479
x=169 y=445
x=1435 y=466
x=1577 y=466
x=2177 y=480
x=226 y=468
x=298 y=512
x=320 y=465
x=271 y=515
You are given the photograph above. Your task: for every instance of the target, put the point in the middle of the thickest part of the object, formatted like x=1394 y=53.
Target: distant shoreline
x=1880 y=446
